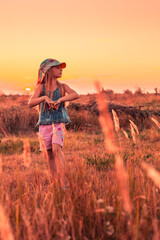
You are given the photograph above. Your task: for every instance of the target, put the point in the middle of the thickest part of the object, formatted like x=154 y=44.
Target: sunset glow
x=28 y=89
x=115 y=42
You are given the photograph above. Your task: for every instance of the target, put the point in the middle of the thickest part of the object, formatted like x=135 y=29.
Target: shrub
x=127 y=91
x=11 y=146
x=15 y=119
x=139 y=91
x=109 y=91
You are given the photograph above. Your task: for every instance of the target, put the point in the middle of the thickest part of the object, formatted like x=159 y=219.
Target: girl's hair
x=47 y=83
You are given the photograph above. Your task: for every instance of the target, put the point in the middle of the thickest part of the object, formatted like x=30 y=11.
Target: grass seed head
x=156 y=122
x=125 y=133
x=152 y=173
x=116 y=120
x=100 y=206
x=134 y=126
x=133 y=133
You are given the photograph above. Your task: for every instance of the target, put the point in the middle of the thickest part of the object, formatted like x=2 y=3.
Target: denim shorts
x=53 y=133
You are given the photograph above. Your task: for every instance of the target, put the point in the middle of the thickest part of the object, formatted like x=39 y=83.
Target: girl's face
x=56 y=71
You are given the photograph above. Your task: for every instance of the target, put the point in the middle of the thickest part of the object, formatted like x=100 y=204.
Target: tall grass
x=114 y=187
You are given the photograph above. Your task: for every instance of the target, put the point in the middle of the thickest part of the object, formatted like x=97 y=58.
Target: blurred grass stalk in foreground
x=107 y=127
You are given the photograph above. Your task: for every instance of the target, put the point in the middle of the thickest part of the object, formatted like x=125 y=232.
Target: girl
x=49 y=94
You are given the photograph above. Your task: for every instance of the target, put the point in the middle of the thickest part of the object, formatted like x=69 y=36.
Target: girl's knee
x=50 y=153
x=56 y=148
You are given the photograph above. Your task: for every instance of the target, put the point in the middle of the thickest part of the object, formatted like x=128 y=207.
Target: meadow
x=112 y=167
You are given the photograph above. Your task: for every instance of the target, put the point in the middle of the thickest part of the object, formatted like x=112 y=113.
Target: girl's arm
x=72 y=95
x=36 y=99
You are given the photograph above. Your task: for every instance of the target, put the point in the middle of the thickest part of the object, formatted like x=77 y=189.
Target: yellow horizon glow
x=116 y=42
x=28 y=89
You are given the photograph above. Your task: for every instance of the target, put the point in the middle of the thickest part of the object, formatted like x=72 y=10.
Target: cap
x=45 y=65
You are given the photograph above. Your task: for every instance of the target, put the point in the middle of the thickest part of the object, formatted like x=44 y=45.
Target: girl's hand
x=55 y=104
x=49 y=101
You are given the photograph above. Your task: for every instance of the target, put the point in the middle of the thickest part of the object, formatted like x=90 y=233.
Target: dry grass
x=38 y=210
x=17 y=117
x=110 y=195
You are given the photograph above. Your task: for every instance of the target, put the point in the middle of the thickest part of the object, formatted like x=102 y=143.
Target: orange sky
x=116 y=42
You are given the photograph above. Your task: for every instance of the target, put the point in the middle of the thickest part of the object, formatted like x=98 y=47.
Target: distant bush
x=15 y=119
x=127 y=91
x=109 y=91
x=13 y=97
x=82 y=120
x=78 y=121
x=157 y=91
x=139 y=91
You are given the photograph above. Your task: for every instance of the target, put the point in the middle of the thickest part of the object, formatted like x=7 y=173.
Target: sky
x=115 y=42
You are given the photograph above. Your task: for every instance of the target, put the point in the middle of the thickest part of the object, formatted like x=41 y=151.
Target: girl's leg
x=59 y=162
x=51 y=162
x=45 y=132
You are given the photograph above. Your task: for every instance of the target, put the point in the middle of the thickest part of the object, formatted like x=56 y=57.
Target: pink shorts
x=52 y=134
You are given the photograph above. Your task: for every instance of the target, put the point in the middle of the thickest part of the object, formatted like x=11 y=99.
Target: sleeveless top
x=48 y=116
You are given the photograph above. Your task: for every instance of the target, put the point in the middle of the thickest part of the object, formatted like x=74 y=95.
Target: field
x=114 y=175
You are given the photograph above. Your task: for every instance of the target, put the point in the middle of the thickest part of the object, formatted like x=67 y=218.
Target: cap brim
x=62 y=65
